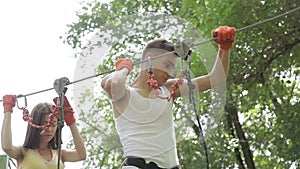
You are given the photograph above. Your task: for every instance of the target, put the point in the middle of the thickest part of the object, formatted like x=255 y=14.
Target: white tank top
x=146 y=129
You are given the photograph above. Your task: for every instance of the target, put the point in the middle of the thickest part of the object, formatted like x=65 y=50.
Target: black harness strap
x=141 y=163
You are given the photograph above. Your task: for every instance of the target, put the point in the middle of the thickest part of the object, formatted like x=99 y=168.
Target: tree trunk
x=233 y=113
x=236 y=150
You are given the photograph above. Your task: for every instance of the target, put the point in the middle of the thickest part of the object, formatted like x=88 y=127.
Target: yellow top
x=33 y=160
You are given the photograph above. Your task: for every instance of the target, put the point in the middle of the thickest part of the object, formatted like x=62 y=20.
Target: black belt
x=141 y=163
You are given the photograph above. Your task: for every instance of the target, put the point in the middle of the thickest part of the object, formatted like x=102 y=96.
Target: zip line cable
x=254 y=25
x=158 y=56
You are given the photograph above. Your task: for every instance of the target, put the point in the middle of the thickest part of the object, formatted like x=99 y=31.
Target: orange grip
x=225 y=36
x=124 y=62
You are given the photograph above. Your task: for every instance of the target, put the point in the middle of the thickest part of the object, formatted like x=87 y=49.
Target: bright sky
x=33 y=56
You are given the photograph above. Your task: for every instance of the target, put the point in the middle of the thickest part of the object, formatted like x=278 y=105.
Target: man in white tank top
x=143 y=109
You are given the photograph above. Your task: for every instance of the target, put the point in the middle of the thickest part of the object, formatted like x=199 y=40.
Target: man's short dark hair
x=159 y=44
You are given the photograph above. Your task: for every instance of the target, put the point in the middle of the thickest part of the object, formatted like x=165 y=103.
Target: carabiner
x=25 y=101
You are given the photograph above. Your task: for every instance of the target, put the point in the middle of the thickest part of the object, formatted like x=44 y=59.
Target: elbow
x=82 y=152
x=204 y=83
x=6 y=148
x=5 y=144
x=114 y=88
x=108 y=85
x=217 y=80
x=82 y=156
x=105 y=84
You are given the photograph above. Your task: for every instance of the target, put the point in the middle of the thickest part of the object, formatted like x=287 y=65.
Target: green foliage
x=3 y=161
x=263 y=82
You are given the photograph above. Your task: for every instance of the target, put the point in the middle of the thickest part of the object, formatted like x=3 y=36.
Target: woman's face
x=47 y=135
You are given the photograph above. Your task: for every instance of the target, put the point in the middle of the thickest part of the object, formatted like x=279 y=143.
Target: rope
x=192 y=100
x=27 y=117
x=158 y=56
x=45 y=127
x=154 y=84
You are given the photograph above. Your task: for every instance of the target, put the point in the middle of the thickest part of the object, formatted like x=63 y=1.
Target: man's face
x=164 y=67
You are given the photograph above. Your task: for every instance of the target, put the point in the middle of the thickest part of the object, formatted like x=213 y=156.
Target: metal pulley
x=183 y=48
x=60 y=84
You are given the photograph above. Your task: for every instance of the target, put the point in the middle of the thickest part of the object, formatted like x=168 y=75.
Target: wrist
x=124 y=70
x=8 y=110
x=226 y=47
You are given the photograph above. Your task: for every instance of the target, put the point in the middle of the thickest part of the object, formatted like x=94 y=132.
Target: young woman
x=40 y=149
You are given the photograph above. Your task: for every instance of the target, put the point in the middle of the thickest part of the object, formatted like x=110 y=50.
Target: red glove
x=9 y=102
x=68 y=111
x=124 y=62
x=225 y=36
